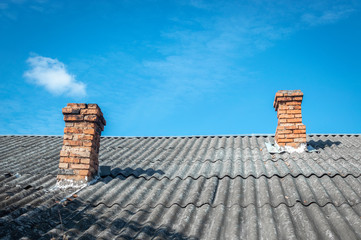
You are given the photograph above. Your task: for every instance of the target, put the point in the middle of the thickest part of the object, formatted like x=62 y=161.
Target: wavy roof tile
x=198 y=187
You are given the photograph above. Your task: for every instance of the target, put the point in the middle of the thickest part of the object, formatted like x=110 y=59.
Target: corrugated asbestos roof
x=207 y=187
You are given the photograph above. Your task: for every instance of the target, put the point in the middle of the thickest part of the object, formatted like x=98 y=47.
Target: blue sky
x=164 y=68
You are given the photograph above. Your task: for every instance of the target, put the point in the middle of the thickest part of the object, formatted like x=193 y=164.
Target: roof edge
x=183 y=136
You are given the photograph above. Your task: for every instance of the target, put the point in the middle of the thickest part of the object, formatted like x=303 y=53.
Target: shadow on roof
x=126 y=172
x=323 y=144
x=75 y=218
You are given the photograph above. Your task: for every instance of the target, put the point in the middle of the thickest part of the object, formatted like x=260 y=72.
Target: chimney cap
x=289 y=93
x=287 y=96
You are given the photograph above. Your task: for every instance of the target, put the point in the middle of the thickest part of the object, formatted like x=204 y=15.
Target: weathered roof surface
x=206 y=187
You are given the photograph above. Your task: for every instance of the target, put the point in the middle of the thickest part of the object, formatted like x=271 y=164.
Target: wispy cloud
x=3 y=6
x=327 y=16
x=210 y=48
x=53 y=76
x=205 y=49
x=20 y=120
x=14 y=9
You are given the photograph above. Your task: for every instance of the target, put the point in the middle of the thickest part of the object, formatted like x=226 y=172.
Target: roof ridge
x=189 y=136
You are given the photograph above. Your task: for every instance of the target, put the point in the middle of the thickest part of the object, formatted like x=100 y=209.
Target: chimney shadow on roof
x=108 y=175
x=123 y=226
x=138 y=172
x=77 y=219
x=323 y=144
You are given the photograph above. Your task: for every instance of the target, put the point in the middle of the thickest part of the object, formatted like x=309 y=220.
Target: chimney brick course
x=290 y=132
x=79 y=154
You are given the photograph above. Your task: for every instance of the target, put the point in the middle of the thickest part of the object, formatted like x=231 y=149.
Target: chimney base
x=70 y=183
x=74 y=184
x=300 y=149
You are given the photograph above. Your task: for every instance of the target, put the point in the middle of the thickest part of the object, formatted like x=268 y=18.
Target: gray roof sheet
x=198 y=187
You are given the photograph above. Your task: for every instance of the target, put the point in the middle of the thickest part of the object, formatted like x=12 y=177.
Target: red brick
x=293 y=144
x=284 y=131
x=69 y=124
x=64 y=153
x=77 y=105
x=83 y=137
x=91 y=118
x=89 y=131
x=298 y=98
x=79 y=166
x=285 y=107
x=72 y=177
x=300 y=140
x=284 y=140
x=63 y=165
x=288 y=126
x=292 y=136
x=80 y=150
x=283 y=99
x=87 y=143
x=91 y=111
x=72 y=130
x=80 y=154
x=72 y=143
x=294 y=111
x=74 y=118
x=297 y=93
x=299 y=131
x=84 y=173
x=68 y=137
x=70 y=160
x=85 y=161
x=93 y=105
x=70 y=110
x=293 y=103
x=294 y=120
x=84 y=125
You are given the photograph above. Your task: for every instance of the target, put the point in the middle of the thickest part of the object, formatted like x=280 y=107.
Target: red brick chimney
x=290 y=132
x=79 y=154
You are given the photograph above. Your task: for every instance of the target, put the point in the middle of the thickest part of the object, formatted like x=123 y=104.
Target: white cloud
x=326 y=17
x=3 y=5
x=205 y=52
x=53 y=75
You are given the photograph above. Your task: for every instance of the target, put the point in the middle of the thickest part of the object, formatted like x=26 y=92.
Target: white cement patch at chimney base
x=69 y=183
x=302 y=148
x=275 y=148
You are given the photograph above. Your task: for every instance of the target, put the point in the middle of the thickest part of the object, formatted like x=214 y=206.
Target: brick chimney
x=79 y=154
x=290 y=132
